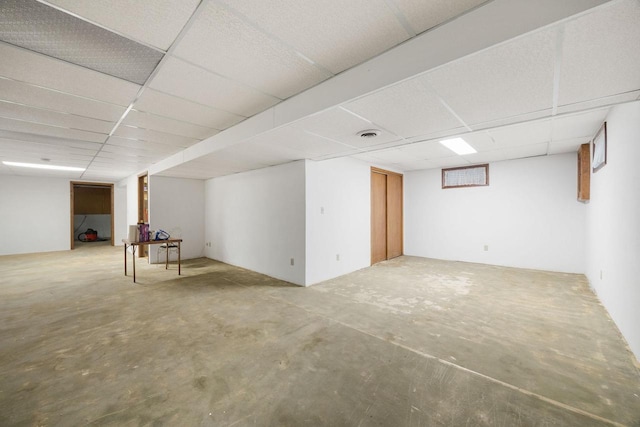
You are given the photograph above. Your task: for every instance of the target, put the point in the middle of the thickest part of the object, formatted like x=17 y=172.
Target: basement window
x=465 y=176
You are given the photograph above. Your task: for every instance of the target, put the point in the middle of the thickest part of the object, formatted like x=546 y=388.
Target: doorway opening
x=91 y=212
x=386 y=215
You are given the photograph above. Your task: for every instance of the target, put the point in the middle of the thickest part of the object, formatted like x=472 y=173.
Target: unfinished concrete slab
x=410 y=341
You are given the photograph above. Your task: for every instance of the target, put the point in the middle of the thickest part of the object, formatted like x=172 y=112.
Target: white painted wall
x=131 y=185
x=528 y=216
x=100 y=223
x=177 y=205
x=613 y=224
x=338 y=212
x=34 y=214
x=120 y=209
x=256 y=220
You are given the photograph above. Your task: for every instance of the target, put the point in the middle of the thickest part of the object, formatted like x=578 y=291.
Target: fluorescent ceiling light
x=41 y=166
x=458 y=146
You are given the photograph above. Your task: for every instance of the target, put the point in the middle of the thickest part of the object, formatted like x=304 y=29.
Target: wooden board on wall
x=92 y=200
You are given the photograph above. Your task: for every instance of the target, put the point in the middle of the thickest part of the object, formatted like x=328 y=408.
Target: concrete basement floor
x=408 y=342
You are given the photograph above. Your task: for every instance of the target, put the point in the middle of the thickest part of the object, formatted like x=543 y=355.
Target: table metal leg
x=133 y=257
x=125 y=259
x=179 y=258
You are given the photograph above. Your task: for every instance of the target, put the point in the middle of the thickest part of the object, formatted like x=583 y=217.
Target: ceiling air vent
x=369 y=133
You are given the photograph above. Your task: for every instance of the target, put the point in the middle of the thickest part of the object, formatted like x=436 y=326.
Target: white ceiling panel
x=166 y=105
x=263 y=154
x=22 y=93
x=408 y=109
x=188 y=81
x=342 y=126
x=154 y=136
x=307 y=146
x=48 y=117
x=600 y=53
x=578 y=125
x=508 y=153
x=154 y=22
x=251 y=56
x=426 y=150
x=153 y=156
x=50 y=151
x=40 y=129
x=143 y=145
x=26 y=66
x=521 y=134
x=165 y=124
x=606 y=101
x=334 y=33
x=566 y=146
x=394 y=155
x=506 y=80
x=48 y=139
x=423 y=15
x=417 y=165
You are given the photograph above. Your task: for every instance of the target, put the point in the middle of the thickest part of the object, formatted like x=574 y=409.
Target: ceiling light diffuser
x=41 y=166
x=458 y=146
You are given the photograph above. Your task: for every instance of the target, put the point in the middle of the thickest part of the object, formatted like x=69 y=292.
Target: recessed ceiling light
x=458 y=146
x=40 y=166
x=369 y=133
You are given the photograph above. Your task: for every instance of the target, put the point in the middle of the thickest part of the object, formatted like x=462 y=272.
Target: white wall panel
x=528 y=216
x=338 y=213
x=612 y=225
x=177 y=204
x=35 y=214
x=256 y=220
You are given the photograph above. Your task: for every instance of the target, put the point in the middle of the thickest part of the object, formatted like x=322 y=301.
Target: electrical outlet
x=322 y=210
x=337 y=257
x=600 y=274
x=486 y=248
x=291 y=261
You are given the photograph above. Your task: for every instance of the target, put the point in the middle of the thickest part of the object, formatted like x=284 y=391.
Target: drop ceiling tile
x=30 y=67
x=230 y=161
x=599 y=102
x=342 y=126
x=47 y=139
x=578 y=125
x=40 y=129
x=155 y=22
x=307 y=146
x=151 y=156
x=50 y=151
x=408 y=109
x=426 y=150
x=164 y=149
x=423 y=15
x=417 y=165
x=511 y=120
x=250 y=56
x=450 y=162
x=41 y=28
x=37 y=115
x=521 y=134
x=188 y=81
x=509 y=153
x=600 y=53
x=333 y=33
x=506 y=80
x=154 y=136
x=167 y=125
x=14 y=91
x=393 y=155
x=166 y=105
x=566 y=146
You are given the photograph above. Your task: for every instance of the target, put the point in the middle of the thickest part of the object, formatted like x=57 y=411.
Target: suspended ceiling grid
x=227 y=65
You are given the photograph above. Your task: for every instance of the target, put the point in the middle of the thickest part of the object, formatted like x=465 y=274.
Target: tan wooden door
x=378 y=217
x=386 y=215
